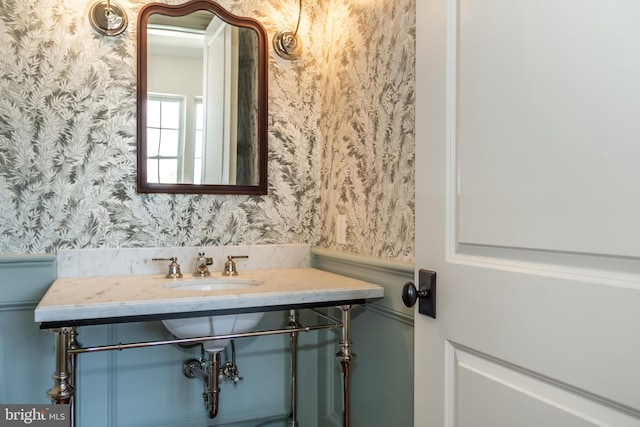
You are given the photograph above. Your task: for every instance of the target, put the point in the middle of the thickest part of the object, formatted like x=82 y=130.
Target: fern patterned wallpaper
x=368 y=126
x=340 y=137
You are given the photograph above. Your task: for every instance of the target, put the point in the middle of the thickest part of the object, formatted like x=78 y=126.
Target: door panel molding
x=614 y=265
x=451 y=149
x=471 y=370
x=542 y=156
x=605 y=270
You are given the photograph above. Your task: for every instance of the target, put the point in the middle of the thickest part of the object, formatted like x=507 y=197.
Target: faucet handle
x=174 y=267
x=230 y=265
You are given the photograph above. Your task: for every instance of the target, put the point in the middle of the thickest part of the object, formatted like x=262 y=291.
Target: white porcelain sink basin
x=213 y=325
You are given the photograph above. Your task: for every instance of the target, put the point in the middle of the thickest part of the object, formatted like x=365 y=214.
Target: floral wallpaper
x=340 y=134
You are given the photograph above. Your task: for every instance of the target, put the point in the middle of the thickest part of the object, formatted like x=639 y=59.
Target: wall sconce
x=287 y=43
x=108 y=18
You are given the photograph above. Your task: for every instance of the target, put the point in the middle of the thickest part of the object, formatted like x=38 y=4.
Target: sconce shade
x=108 y=18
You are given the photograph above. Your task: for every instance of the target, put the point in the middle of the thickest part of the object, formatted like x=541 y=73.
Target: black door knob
x=426 y=294
x=410 y=294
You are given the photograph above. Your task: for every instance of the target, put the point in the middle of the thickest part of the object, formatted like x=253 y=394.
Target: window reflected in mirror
x=165 y=142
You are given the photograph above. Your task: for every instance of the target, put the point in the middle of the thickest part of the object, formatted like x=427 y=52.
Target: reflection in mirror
x=201 y=101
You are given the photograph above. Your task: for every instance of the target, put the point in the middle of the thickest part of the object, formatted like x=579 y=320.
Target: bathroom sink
x=212 y=284
x=213 y=325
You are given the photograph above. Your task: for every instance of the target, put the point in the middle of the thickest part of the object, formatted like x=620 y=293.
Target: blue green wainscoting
x=26 y=352
x=382 y=338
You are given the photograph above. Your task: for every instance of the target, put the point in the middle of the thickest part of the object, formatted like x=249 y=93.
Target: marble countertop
x=110 y=297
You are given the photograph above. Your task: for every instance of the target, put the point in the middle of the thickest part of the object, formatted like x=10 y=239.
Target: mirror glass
x=202 y=100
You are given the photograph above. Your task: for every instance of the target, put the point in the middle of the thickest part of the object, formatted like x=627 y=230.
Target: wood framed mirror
x=202 y=100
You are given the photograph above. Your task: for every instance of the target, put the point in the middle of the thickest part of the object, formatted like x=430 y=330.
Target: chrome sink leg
x=293 y=324
x=345 y=356
x=62 y=391
x=73 y=371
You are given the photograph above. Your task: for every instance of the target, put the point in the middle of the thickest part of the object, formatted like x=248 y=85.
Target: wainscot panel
x=26 y=352
x=382 y=335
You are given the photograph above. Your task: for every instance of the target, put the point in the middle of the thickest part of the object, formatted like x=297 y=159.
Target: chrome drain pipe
x=192 y=368
x=195 y=369
x=213 y=394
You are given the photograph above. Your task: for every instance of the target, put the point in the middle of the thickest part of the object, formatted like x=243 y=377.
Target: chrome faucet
x=174 y=267
x=201 y=265
x=230 y=265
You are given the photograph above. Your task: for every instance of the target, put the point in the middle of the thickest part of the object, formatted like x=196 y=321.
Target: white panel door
x=528 y=208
